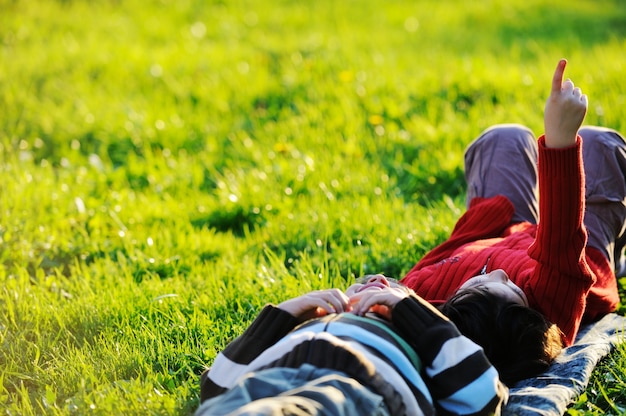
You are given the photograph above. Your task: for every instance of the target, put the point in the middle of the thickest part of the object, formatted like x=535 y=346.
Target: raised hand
x=317 y=303
x=564 y=111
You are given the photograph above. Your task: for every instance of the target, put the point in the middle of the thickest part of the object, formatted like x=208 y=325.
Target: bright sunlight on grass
x=168 y=167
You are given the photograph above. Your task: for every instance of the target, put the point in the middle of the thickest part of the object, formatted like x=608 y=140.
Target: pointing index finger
x=557 y=79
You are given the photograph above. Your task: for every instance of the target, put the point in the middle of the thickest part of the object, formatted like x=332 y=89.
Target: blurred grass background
x=168 y=167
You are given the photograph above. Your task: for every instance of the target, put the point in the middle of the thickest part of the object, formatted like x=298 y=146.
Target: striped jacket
x=419 y=362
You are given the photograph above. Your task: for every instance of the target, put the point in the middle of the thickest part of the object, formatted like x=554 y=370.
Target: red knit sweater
x=562 y=278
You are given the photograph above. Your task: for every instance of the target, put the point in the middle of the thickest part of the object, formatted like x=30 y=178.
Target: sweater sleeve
x=562 y=278
x=458 y=374
x=269 y=327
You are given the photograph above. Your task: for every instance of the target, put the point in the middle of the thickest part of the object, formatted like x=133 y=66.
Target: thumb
x=557 y=79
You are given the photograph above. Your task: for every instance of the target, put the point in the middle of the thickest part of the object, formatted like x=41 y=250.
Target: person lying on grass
x=377 y=349
x=523 y=268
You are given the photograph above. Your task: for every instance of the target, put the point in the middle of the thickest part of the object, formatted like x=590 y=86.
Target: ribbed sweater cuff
x=415 y=314
x=272 y=323
x=424 y=325
x=560 y=163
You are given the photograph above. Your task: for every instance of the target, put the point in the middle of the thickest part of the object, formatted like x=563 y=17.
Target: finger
x=340 y=296
x=583 y=99
x=557 y=79
x=344 y=298
x=332 y=300
x=367 y=302
x=326 y=305
x=364 y=305
x=357 y=301
x=365 y=294
x=568 y=86
x=338 y=300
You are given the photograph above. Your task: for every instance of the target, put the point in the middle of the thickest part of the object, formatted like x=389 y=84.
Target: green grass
x=168 y=167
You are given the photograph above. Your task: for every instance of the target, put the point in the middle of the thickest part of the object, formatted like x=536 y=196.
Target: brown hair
x=518 y=341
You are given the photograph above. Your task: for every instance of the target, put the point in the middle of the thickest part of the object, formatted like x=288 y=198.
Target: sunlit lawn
x=168 y=167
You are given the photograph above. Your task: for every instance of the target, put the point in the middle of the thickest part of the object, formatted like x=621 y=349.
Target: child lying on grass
x=521 y=271
x=378 y=349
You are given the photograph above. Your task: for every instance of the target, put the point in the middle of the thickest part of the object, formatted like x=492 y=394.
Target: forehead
x=505 y=291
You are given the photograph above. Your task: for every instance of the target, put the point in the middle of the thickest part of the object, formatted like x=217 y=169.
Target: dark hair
x=518 y=341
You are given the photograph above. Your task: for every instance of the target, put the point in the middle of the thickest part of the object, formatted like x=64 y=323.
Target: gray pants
x=503 y=160
x=307 y=390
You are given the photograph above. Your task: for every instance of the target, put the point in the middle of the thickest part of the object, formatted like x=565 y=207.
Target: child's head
x=517 y=340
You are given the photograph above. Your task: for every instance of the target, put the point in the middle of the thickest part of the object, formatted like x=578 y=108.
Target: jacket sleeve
x=457 y=372
x=269 y=327
x=562 y=278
